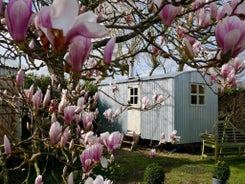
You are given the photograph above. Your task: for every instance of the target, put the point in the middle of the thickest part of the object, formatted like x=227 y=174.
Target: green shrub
x=154 y=174
x=221 y=171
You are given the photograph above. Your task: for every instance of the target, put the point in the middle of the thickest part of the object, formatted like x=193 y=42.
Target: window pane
x=131 y=91
x=131 y=100
x=193 y=88
x=135 y=91
x=201 y=99
x=136 y=100
x=201 y=89
x=193 y=99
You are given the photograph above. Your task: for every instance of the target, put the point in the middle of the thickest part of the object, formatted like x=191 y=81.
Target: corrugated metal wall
x=191 y=120
x=160 y=119
x=177 y=113
x=105 y=102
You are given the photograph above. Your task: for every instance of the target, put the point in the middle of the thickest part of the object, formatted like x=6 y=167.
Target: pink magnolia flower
x=212 y=79
x=116 y=113
x=70 y=179
x=188 y=48
x=213 y=10
x=80 y=102
x=204 y=18
x=96 y=97
x=230 y=35
x=47 y=97
x=145 y=102
x=183 y=33
x=173 y=136
x=79 y=50
x=39 y=179
x=53 y=118
x=231 y=78
x=240 y=8
x=20 y=77
x=196 y=4
x=238 y=64
x=69 y=113
x=71 y=145
x=108 y=115
x=87 y=120
x=63 y=103
x=52 y=106
x=223 y=11
x=158 y=98
x=64 y=170
x=225 y=70
x=53 y=79
x=63 y=15
x=64 y=137
x=114 y=141
x=29 y=93
x=55 y=132
x=18 y=15
x=98 y=180
x=162 y=138
x=158 y=3
x=168 y=14
x=37 y=99
x=152 y=153
x=108 y=51
x=7 y=145
x=90 y=156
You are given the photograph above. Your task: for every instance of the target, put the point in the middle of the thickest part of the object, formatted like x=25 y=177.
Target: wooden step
x=131 y=139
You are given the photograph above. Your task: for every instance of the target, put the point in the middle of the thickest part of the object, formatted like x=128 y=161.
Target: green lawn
x=180 y=168
x=129 y=167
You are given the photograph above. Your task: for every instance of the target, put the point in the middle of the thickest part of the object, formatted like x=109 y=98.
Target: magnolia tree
x=91 y=40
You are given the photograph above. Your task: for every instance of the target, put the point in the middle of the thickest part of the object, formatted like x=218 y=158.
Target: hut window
x=134 y=95
x=197 y=94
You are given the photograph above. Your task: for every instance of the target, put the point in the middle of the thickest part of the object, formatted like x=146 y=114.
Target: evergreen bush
x=154 y=174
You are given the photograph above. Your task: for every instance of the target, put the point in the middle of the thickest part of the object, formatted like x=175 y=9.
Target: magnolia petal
x=89 y=180
x=7 y=145
x=44 y=17
x=168 y=14
x=86 y=29
x=87 y=17
x=230 y=40
x=98 y=180
x=70 y=179
x=39 y=179
x=79 y=50
x=18 y=16
x=108 y=51
x=20 y=77
x=64 y=14
x=104 y=162
x=55 y=132
x=224 y=32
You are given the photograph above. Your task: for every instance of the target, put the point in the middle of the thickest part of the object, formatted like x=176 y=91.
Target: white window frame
x=200 y=96
x=136 y=97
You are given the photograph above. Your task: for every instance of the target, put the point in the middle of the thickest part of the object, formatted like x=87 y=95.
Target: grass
x=129 y=167
x=180 y=168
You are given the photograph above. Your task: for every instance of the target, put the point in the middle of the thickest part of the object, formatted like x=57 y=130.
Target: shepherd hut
x=190 y=107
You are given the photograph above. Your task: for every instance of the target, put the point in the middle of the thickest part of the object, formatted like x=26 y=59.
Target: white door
x=134 y=110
